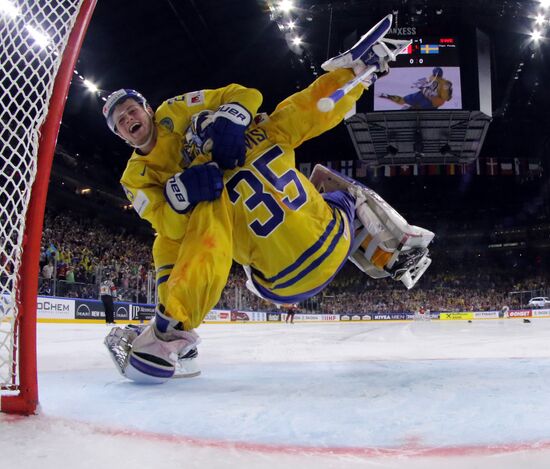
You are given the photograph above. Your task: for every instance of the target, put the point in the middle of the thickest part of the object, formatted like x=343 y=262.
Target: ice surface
x=385 y=395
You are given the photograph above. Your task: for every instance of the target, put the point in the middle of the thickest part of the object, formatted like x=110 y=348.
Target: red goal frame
x=26 y=402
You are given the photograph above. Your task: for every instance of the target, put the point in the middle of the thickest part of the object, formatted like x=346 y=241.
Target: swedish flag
x=429 y=49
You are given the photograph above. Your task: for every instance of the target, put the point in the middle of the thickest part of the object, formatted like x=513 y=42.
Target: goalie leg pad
x=153 y=360
x=362 y=48
x=372 y=49
x=385 y=244
x=141 y=356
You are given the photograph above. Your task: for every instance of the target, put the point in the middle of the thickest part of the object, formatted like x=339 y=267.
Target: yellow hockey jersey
x=145 y=175
x=269 y=217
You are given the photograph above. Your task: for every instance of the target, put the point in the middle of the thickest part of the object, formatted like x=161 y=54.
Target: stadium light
x=536 y=35
x=296 y=40
x=544 y=3
x=286 y=5
x=41 y=38
x=540 y=19
x=8 y=8
x=93 y=88
x=291 y=25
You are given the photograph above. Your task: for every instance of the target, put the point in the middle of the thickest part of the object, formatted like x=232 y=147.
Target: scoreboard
x=430 y=51
x=425 y=77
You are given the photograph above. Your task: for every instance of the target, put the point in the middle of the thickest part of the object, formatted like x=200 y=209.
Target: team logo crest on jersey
x=260 y=118
x=194 y=98
x=167 y=123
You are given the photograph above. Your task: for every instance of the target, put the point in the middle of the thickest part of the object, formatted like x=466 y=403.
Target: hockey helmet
x=118 y=97
x=437 y=72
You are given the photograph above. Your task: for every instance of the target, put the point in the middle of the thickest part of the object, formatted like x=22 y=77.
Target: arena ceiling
x=166 y=47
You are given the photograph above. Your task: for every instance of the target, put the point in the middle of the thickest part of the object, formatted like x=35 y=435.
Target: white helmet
x=118 y=97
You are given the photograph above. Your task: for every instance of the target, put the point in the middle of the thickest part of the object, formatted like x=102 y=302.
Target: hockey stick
x=327 y=104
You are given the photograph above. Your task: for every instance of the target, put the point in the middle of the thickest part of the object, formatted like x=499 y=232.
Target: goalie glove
x=195 y=184
x=196 y=136
x=227 y=135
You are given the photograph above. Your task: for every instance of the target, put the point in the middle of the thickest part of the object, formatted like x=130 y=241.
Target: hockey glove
x=227 y=134
x=196 y=184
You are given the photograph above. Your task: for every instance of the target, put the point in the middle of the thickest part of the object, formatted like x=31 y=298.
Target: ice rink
x=335 y=395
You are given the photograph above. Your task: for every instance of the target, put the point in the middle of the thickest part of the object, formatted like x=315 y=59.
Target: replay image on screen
x=420 y=88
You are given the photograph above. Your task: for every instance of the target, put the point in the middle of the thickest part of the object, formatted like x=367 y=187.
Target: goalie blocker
x=385 y=245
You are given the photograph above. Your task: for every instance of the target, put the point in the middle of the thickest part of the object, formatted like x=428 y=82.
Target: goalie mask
x=196 y=136
x=119 y=97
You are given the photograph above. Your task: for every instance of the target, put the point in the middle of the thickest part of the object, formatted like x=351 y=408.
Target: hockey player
x=433 y=93
x=107 y=294
x=271 y=219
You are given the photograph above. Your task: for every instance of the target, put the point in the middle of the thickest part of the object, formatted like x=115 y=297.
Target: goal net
x=39 y=44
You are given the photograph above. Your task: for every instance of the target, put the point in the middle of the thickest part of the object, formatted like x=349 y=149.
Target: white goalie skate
x=385 y=245
x=119 y=343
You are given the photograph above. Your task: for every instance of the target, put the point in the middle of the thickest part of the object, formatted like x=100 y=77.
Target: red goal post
x=39 y=44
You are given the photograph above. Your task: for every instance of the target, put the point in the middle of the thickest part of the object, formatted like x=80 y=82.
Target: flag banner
x=390 y=171
x=467 y=169
x=305 y=169
x=491 y=167
x=346 y=168
x=405 y=170
x=374 y=172
x=360 y=169
x=506 y=168
x=534 y=168
x=333 y=165
x=517 y=167
x=433 y=170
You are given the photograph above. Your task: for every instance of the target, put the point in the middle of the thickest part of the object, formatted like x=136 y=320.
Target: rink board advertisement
x=55 y=308
x=248 y=316
x=141 y=312
x=486 y=314
x=67 y=309
x=93 y=309
x=522 y=313
x=391 y=316
x=316 y=317
x=217 y=315
x=456 y=316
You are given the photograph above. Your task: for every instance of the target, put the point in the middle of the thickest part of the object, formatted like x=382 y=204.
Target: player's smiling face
x=132 y=122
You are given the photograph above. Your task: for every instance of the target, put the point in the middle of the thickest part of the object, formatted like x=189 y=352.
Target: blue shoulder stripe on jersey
x=162 y=279
x=303 y=257
x=317 y=261
x=165 y=267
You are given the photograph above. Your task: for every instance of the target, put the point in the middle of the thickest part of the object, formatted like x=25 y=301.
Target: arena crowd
x=76 y=253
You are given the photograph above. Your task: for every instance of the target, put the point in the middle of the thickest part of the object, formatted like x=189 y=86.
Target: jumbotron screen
x=425 y=77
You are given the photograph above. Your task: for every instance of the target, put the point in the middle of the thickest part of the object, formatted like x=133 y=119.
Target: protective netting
x=33 y=37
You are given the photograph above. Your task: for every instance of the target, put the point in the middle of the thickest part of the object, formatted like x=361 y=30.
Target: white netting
x=33 y=37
